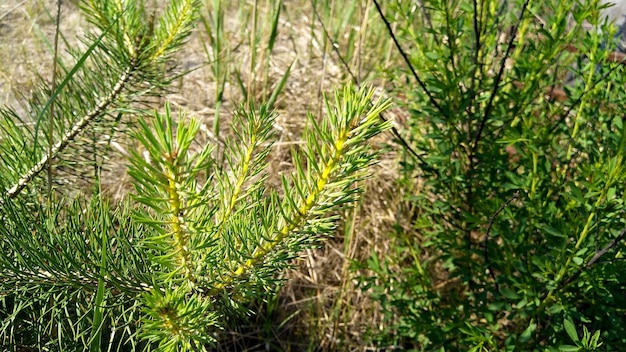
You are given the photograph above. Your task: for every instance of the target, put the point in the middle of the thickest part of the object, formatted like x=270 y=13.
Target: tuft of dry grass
x=26 y=41
x=320 y=306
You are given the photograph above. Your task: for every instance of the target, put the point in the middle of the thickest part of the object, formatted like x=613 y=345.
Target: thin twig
x=594 y=259
x=355 y=80
x=69 y=136
x=614 y=57
x=586 y=267
x=407 y=61
x=486 y=239
x=498 y=79
x=559 y=94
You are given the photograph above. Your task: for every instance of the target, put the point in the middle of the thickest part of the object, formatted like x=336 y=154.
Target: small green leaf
x=610 y=193
x=595 y=339
x=526 y=335
x=557 y=308
x=571 y=330
x=508 y=293
x=432 y=55
x=496 y=306
x=617 y=121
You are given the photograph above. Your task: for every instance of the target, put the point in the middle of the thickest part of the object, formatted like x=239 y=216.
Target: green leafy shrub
x=202 y=234
x=520 y=221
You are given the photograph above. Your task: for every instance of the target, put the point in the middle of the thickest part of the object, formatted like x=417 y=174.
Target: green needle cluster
x=219 y=235
x=201 y=235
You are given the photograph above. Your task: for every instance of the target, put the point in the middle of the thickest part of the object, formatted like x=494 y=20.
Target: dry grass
x=319 y=308
x=26 y=36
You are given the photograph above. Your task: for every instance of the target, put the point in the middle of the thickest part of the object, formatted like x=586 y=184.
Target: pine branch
x=204 y=231
x=167 y=182
x=253 y=234
x=68 y=137
x=50 y=264
x=247 y=147
x=119 y=63
x=341 y=159
x=63 y=264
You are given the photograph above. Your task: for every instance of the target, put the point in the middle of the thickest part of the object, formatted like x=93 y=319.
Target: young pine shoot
x=219 y=235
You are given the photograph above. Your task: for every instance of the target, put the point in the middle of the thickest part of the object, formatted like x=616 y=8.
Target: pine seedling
x=127 y=59
x=166 y=273
x=63 y=283
x=220 y=235
x=201 y=239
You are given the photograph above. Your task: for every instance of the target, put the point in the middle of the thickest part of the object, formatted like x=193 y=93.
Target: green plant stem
x=241 y=179
x=588 y=85
x=181 y=237
x=54 y=87
x=298 y=219
x=173 y=33
x=581 y=238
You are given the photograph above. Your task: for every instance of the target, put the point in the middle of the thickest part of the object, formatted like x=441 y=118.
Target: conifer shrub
x=201 y=234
